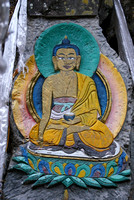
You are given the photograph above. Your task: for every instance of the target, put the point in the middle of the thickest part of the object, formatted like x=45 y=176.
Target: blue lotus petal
x=98 y=171
x=121 y=162
x=70 y=167
x=44 y=167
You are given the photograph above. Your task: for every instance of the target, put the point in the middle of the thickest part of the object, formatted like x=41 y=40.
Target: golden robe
x=86 y=107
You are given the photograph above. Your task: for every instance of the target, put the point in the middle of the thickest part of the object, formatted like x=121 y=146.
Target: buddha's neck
x=67 y=73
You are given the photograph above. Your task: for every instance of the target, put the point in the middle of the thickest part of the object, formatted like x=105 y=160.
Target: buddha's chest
x=65 y=87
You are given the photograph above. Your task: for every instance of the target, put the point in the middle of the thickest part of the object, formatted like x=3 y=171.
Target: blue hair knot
x=66 y=44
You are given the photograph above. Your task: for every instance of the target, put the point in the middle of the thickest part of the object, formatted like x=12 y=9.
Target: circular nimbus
x=79 y=36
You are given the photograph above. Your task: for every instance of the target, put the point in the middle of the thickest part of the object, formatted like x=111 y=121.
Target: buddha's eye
x=61 y=58
x=71 y=58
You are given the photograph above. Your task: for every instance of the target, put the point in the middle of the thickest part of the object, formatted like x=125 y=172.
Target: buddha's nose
x=65 y=60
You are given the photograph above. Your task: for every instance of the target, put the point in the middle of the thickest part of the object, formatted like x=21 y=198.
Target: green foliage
x=91 y=182
x=78 y=181
x=126 y=172
x=67 y=182
x=57 y=179
x=105 y=182
x=19 y=159
x=118 y=178
x=25 y=168
x=41 y=179
x=32 y=178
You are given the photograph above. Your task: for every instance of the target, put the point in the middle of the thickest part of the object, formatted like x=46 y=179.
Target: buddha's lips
x=67 y=66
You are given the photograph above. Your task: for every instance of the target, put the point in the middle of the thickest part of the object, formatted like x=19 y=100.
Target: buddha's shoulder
x=50 y=79
x=85 y=78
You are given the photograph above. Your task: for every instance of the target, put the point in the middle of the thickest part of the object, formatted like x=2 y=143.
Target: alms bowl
x=68 y=117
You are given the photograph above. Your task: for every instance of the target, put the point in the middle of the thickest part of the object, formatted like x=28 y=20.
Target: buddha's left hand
x=76 y=120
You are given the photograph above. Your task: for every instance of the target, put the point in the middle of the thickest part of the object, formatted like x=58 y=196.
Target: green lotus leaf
x=19 y=159
x=111 y=164
x=118 y=178
x=25 y=168
x=43 y=180
x=32 y=178
x=67 y=182
x=91 y=182
x=59 y=166
x=34 y=161
x=105 y=182
x=57 y=179
x=126 y=172
x=85 y=168
x=78 y=181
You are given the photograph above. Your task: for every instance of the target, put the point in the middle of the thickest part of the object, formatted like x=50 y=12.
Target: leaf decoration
x=44 y=179
x=27 y=164
x=33 y=161
x=56 y=180
x=91 y=182
x=105 y=182
x=67 y=182
x=111 y=164
x=126 y=172
x=84 y=168
x=24 y=153
x=25 y=168
x=118 y=178
x=32 y=178
x=78 y=181
x=19 y=159
x=57 y=168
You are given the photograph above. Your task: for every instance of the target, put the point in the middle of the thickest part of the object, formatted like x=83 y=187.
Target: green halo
x=89 y=50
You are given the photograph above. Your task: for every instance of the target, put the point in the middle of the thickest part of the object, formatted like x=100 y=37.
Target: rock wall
x=128 y=7
x=107 y=19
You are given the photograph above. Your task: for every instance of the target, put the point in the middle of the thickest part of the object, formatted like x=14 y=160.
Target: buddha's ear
x=78 y=59
x=55 y=63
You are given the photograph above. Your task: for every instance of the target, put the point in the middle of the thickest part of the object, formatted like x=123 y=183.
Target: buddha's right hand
x=40 y=137
x=55 y=126
x=40 y=140
x=40 y=143
x=76 y=129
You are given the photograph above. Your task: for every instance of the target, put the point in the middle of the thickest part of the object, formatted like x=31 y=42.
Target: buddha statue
x=70 y=106
x=59 y=111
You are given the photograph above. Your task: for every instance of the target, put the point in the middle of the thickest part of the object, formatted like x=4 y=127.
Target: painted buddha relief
x=68 y=108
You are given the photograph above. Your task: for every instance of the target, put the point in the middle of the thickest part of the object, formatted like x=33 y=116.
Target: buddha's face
x=66 y=59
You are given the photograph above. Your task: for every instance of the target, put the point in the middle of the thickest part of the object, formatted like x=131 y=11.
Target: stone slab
x=58 y=8
x=13 y=188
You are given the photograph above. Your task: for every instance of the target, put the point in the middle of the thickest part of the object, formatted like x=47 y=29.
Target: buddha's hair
x=66 y=44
